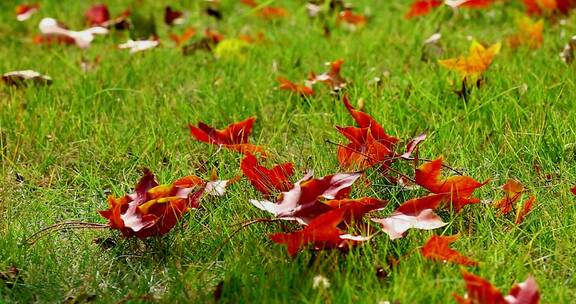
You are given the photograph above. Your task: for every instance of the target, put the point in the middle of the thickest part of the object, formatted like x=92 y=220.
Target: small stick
x=31 y=240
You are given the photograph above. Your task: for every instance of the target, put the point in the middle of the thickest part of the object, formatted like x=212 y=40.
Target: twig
x=31 y=240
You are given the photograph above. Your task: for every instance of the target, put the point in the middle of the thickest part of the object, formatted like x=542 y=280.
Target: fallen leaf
x=181 y=39
x=136 y=46
x=438 y=248
x=287 y=85
x=233 y=137
x=350 y=18
x=322 y=233
x=480 y=291
x=460 y=188
x=369 y=144
x=82 y=39
x=412 y=145
x=356 y=208
x=264 y=11
x=267 y=180
x=25 y=11
x=422 y=7
x=97 y=15
x=233 y=48
x=172 y=16
x=471 y=4
x=513 y=191
x=526 y=208
x=303 y=202
x=548 y=7
x=416 y=213
x=153 y=209
x=524 y=293
x=11 y=276
x=529 y=33
x=366 y=121
x=477 y=62
x=333 y=79
x=22 y=78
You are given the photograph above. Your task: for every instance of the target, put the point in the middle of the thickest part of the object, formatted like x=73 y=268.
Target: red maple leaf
x=366 y=121
x=267 y=180
x=422 y=7
x=356 y=208
x=233 y=137
x=153 y=209
x=416 y=213
x=303 y=202
x=97 y=14
x=172 y=16
x=480 y=291
x=460 y=188
x=322 y=233
x=438 y=248
x=364 y=151
x=370 y=145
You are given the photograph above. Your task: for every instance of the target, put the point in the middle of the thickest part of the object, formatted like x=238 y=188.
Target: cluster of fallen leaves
x=324 y=212
x=329 y=218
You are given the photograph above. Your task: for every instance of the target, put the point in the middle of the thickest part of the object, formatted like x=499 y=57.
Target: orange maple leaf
x=514 y=190
x=525 y=209
x=349 y=17
x=267 y=180
x=181 y=39
x=288 y=85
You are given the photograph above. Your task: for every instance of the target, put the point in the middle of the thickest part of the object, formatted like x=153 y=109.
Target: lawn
x=66 y=147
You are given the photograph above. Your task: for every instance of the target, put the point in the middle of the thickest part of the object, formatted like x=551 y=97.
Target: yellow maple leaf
x=477 y=61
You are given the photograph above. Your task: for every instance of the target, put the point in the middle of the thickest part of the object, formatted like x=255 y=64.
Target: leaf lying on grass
x=438 y=248
x=233 y=137
x=480 y=291
x=322 y=233
x=303 y=202
x=155 y=209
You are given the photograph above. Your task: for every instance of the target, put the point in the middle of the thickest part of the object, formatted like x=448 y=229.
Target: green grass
x=89 y=134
